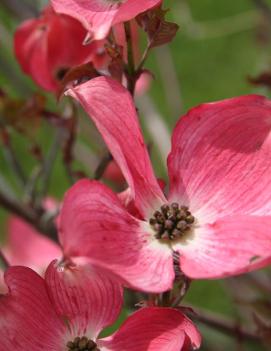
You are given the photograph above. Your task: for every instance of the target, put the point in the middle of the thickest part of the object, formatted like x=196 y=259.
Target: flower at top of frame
x=98 y=16
x=68 y=309
x=48 y=46
x=216 y=216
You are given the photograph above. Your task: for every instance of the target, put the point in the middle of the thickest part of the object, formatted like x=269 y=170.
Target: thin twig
x=223 y=325
x=184 y=287
x=11 y=157
x=68 y=148
x=102 y=166
x=144 y=57
x=263 y=6
x=14 y=164
x=49 y=161
x=33 y=217
x=5 y=185
x=30 y=188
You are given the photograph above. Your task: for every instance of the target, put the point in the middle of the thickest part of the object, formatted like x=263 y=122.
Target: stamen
x=171 y=221
x=82 y=344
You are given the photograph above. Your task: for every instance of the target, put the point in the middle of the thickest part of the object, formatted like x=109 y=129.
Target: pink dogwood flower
x=46 y=47
x=68 y=309
x=98 y=16
x=216 y=215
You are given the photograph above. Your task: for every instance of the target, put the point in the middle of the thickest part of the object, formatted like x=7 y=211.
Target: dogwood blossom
x=216 y=216
x=68 y=310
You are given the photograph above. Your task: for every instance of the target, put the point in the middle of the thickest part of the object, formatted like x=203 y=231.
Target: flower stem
x=102 y=166
x=50 y=160
x=131 y=71
x=29 y=214
x=144 y=58
x=11 y=157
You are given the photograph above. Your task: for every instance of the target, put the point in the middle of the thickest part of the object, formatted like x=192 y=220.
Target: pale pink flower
x=48 y=46
x=219 y=167
x=27 y=247
x=73 y=304
x=98 y=16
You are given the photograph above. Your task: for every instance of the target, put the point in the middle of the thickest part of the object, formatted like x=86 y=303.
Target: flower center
x=171 y=222
x=82 y=344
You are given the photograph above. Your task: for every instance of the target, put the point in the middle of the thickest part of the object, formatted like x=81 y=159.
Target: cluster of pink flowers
x=215 y=217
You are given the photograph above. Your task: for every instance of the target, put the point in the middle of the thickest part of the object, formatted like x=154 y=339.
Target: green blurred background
x=219 y=44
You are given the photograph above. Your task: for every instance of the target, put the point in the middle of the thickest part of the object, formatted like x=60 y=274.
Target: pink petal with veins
x=221 y=158
x=153 y=329
x=89 y=298
x=111 y=108
x=95 y=15
x=98 y=16
x=229 y=246
x=94 y=224
x=219 y=166
x=27 y=318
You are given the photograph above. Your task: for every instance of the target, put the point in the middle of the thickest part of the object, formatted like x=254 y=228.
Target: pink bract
x=25 y=246
x=75 y=301
x=98 y=16
x=46 y=47
x=219 y=167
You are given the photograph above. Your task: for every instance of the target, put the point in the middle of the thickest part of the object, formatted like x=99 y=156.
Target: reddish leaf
x=159 y=30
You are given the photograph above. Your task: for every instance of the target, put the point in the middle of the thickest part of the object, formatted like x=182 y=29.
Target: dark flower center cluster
x=82 y=344
x=171 y=221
